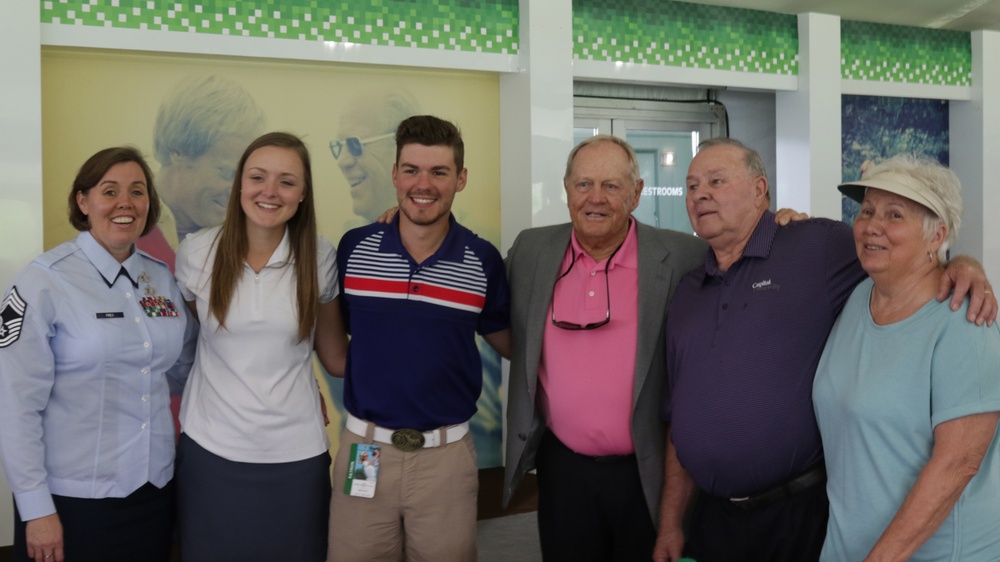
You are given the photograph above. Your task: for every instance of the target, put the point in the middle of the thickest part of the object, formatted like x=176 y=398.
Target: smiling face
x=426 y=181
x=601 y=195
x=724 y=201
x=889 y=236
x=271 y=187
x=197 y=189
x=370 y=174
x=116 y=208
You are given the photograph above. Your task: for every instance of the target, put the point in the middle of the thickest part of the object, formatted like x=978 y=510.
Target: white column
x=21 y=162
x=536 y=118
x=536 y=123
x=808 y=123
x=975 y=155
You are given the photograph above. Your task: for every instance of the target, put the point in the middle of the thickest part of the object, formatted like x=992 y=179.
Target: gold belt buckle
x=407 y=440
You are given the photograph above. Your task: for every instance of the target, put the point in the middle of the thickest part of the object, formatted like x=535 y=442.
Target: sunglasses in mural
x=355 y=145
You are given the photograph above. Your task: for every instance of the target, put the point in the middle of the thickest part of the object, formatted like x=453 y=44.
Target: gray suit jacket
x=532 y=267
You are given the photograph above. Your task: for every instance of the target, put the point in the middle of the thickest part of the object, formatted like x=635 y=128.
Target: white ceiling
x=961 y=15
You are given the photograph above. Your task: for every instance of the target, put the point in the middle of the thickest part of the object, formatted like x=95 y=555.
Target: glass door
x=665 y=136
x=663 y=162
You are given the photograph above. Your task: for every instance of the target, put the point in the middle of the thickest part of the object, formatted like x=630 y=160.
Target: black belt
x=798 y=484
x=610 y=459
x=606 y=459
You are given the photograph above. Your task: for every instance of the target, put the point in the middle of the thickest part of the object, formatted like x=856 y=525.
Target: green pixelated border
x=912 y=55
x=488 y=26
x=700 y=36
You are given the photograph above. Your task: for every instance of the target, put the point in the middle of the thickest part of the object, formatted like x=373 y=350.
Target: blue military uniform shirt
x=85 y=358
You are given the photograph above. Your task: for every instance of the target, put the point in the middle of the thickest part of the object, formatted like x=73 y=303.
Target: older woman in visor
x=907 y=394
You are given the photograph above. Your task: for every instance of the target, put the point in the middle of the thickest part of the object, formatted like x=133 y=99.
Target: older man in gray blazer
x=588 y=309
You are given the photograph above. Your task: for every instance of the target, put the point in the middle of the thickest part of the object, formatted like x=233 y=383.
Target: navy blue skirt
x=247 y=511
x=136 y=527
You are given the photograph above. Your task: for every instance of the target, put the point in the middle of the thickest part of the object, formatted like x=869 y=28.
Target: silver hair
x=941 y=183
x=198 y=112
x=752 y=161
x=633 y=161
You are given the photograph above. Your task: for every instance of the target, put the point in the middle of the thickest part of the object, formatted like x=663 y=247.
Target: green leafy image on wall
x=877 y=128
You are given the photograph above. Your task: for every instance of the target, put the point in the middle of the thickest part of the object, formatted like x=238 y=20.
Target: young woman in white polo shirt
x=253 y=462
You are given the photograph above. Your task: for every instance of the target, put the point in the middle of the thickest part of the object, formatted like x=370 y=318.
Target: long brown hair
x=232 y=245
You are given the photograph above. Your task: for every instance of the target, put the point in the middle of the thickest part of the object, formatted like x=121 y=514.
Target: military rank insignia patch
x=158 y=306
x=12 y=315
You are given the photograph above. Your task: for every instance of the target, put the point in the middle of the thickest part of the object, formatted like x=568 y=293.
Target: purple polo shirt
x=742 y=351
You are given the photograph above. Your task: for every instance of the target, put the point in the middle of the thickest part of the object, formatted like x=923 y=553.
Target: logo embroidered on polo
x=12 y=314
x=765 y=285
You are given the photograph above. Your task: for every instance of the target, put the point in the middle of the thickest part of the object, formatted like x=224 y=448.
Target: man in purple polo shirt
x=744 y=336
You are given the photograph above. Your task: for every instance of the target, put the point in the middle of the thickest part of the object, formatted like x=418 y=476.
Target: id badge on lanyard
x=362 y=470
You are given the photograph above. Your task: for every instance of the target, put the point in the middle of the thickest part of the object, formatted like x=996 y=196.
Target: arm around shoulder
x=966 y=276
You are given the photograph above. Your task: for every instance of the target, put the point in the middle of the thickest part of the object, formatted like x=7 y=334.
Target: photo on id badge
x=362 y=472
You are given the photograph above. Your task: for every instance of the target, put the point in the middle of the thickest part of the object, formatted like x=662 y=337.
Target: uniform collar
x=106 y=264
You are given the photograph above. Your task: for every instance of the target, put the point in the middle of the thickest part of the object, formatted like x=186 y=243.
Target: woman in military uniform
x=93 y=340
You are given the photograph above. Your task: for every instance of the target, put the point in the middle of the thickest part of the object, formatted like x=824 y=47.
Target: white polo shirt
x=252 y=396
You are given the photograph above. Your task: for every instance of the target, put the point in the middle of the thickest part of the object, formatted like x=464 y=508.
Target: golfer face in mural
x=199 y=186
x=201 y=130
x=365 y=148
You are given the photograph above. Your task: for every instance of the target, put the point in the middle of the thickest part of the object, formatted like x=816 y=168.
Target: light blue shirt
x=879 y=393
x=84 y=392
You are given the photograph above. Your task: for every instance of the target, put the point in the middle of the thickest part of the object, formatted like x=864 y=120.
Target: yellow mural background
x=92 y=99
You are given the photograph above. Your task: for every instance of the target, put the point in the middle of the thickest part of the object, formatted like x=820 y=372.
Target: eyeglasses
x=355 y=145
x=607 y=290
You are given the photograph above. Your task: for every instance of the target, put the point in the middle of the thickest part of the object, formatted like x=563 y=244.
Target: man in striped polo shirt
x=415 y=293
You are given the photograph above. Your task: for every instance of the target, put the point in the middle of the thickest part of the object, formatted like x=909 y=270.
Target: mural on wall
x=875 y=128
x=364 y=149
x=194 y=117
x=201 y=129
